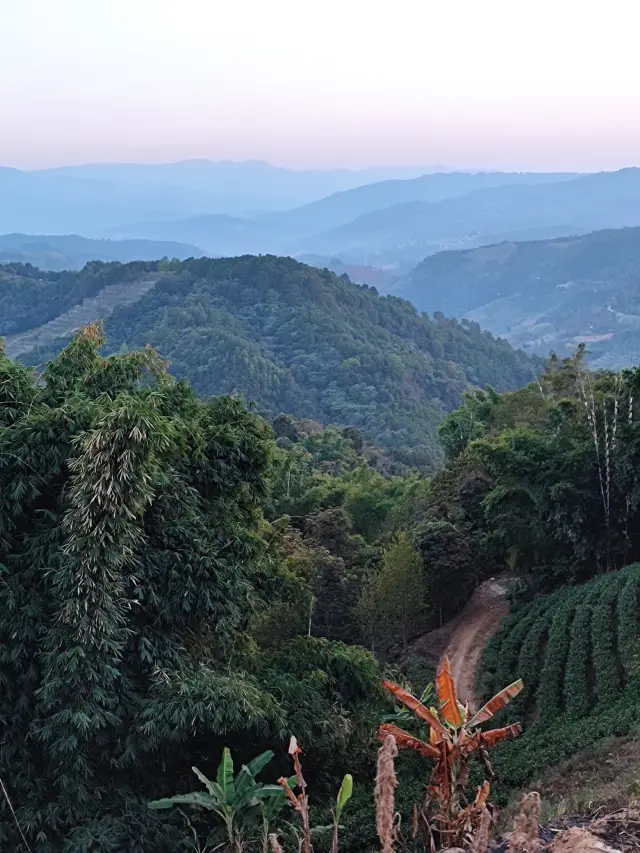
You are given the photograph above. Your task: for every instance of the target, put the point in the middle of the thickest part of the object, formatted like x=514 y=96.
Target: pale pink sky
x=517 y=84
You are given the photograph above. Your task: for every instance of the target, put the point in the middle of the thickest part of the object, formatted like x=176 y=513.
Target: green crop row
x=608 y=674
x=629 y=624
x=585 y=678
x=550 y=697
x=531 y=653
x=511 y=646
x=520 y=762
x=576 y=679
x=488 y=675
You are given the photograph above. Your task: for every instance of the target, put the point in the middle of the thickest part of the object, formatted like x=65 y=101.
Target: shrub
x=550 y=698
x=576 y=682
x=608 y=676
x=629 y=624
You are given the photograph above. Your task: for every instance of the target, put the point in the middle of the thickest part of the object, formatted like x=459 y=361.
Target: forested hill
x=289 y=337
x=543 y=295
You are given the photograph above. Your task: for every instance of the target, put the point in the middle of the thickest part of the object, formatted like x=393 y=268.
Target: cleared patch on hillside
x=97 y=307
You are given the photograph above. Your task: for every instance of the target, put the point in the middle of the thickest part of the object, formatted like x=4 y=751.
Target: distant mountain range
x=543 y=295
x=233 y=208
x=288 y=336
x=70 y=252
x=371 y=224
x=87 y=200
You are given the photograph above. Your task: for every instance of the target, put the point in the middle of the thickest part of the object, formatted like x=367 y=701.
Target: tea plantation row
x=578 y=653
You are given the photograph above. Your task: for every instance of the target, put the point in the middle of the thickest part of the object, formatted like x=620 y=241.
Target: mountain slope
x=577 y=651
x=31 y=298
x=294 y=231
x=543 y=295
x=218 y=234
x=339 y=208
x=90 y=199
x=64 y=252
x=255 y=184
x=297 y=339
x=603 y=200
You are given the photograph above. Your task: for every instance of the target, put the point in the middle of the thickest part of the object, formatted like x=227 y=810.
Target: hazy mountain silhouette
x=62 y=252
x=88 y=199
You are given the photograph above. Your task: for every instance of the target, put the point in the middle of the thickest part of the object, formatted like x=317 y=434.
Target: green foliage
x=577 y=688
x=589 y=685
x=629 y=626
x=344 y=795
x=395 y=598
x=558 y=461
x=301 y=340
x=30 y=297
x=449 y=565
x=604 y=644
x=135 y=561
x=529 y=665
x=549 y=699
x=238 y=803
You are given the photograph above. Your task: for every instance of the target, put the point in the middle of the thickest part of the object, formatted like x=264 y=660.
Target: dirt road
x=471 y=631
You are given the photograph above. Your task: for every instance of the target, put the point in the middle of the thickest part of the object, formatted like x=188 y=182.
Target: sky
x=507 y=84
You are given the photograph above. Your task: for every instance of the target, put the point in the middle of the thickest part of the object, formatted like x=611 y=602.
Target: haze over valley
x=319 y=427
x=377 y=231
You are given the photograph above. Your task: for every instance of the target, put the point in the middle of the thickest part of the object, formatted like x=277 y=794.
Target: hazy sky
x=550 y=84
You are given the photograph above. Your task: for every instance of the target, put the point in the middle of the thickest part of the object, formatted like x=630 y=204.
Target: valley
x=319 y=427
x=376 y=482
x=543 y=296
x=286 y=336
x=402 y=484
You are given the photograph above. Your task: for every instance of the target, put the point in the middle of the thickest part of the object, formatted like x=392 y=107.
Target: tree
x=394 y=600
x=133 y=564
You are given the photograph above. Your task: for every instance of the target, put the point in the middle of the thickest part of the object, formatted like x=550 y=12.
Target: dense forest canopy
x=180 y=575
x=560 y=463
x=140 y=581
x=291 y=338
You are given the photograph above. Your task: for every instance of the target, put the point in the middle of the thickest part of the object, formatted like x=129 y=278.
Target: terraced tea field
x=578 y=653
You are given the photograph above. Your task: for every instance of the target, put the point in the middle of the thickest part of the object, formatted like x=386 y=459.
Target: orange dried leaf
x=407 y=741
x=405 y=698
x=434 y=737
x=468 y=744
x=497 y=703
x=447 y=693
x=491 y=738
x=290 y=795
x=482 y=795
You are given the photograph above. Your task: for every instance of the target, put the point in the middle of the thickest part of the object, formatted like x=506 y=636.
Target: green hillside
x=542 y=295
x=289 y=337
x=578 y=653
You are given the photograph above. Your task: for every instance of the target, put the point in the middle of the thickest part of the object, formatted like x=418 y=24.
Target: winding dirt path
x=471 y=631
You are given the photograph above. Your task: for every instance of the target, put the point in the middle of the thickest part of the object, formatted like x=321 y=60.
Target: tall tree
x=133 y=562
x=394 y=600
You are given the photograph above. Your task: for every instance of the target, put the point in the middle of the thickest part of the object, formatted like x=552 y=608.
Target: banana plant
x=237 y=802
x=344 y=795
x=300 y=804
x=454 y=735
